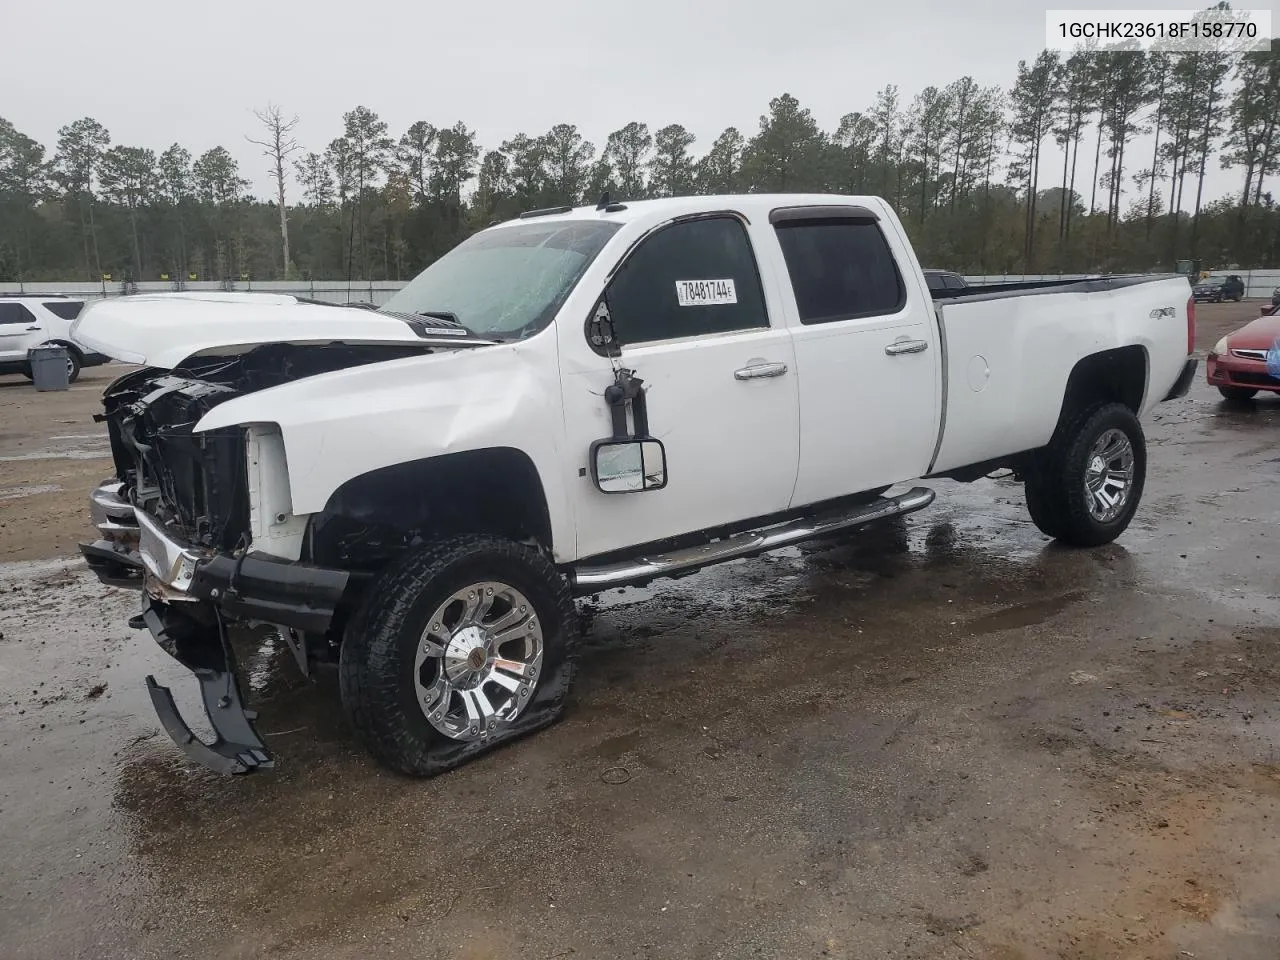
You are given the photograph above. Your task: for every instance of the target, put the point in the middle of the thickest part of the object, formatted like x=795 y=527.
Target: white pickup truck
x=577 y=400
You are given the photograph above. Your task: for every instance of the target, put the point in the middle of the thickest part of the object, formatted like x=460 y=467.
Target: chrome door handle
x=905 y=345
x=29 y=329
x=759 y=369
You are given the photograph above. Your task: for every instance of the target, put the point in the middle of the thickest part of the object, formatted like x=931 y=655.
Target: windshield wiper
x=444 y=316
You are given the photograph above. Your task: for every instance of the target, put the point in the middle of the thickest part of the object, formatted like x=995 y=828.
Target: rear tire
x=1085 y=487
x=1238 y=394
x=433 y=672
x=73 y=366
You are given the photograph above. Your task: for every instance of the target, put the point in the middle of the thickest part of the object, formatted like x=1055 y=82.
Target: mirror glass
x=627 y=466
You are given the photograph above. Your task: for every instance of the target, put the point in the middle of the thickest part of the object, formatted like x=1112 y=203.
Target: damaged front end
x=177 y=523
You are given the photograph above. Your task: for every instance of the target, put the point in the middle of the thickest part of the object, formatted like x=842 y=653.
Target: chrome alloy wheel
x=478 y=660
x=1108 y=475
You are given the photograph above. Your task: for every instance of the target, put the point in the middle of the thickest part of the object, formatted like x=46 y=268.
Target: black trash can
x=49 y=368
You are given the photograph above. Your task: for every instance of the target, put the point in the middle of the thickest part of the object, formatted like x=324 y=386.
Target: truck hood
x=163 y=330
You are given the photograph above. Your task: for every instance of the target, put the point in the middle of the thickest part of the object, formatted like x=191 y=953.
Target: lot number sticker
x=705 y=293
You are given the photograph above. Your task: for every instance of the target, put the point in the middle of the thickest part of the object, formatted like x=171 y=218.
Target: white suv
x=29 y=320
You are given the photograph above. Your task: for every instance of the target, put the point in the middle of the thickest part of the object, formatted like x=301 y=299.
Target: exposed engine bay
x=197 y=482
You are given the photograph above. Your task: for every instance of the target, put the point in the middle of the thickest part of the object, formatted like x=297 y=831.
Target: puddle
x=1025 y=614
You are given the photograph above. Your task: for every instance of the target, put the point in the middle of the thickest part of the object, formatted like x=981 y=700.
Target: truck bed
x=1017 y=288
x=1009 y=350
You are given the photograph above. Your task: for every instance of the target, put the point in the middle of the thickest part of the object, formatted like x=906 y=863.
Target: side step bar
x=688 y=559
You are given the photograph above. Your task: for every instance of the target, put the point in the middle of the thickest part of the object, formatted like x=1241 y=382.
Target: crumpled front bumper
x=136 y=550
x=188 y=594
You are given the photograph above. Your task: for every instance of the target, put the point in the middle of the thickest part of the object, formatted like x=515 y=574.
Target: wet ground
x=948 y=738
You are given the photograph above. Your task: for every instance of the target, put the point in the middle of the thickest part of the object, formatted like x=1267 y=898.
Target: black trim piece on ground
x=206 y=652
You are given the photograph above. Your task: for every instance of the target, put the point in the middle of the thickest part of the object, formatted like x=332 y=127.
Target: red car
x=1237 y=364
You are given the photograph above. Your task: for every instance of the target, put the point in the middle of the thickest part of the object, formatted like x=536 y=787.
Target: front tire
x=1238 y=394
x=461 y=646
x=1086 y=485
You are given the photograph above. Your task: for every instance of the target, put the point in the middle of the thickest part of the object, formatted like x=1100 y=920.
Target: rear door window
x=954 y=282
x=15 y=313
x=66 y=309
x=840 y=269
x=693 y=278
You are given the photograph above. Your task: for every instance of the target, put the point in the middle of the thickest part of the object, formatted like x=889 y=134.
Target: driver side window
x=694 y=278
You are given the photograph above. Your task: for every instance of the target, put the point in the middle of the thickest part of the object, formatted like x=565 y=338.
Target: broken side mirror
x=600 y=332
x=628 y=465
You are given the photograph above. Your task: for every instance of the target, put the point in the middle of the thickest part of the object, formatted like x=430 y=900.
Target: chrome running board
x=588 y=578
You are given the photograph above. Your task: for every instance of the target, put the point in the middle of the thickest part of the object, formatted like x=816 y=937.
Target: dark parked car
x=1219 y=287
x=944 y=282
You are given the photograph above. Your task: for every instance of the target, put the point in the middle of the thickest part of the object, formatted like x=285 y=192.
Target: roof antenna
x=604 y=201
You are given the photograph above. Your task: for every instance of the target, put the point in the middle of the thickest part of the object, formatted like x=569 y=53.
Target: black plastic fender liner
x=1182 y=385
x=206 y=652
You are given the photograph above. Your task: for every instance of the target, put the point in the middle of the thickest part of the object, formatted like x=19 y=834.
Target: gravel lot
x=947 y=738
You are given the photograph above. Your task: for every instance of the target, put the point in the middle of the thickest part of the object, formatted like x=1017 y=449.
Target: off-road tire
x=375 y=665
x=1057 y=497
x=1237 y=394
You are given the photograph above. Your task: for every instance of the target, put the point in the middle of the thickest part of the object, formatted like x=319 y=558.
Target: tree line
x=1045 y=176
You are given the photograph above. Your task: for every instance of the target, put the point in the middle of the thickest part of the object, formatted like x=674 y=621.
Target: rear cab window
x=841 y=266
x=692 y=278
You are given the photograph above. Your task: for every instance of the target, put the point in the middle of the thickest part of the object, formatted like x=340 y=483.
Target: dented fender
x=340 y=425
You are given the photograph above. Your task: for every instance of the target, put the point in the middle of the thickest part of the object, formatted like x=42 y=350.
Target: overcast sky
x=158 y=71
